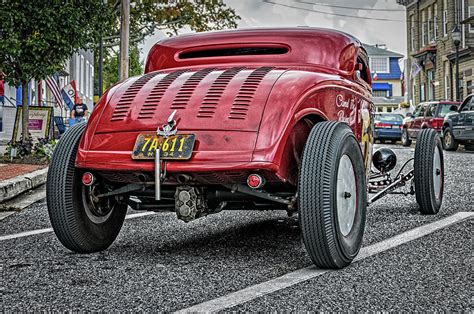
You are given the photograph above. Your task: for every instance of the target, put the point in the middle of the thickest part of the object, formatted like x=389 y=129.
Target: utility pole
x=124 y=38
x=101 y=65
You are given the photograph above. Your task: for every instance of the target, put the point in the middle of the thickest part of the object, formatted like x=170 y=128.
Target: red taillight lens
x=437 y=123
x=383 y=125
x=88 y=179
x=255 y=181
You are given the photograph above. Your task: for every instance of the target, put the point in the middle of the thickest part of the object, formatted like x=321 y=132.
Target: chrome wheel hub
x=447 y=139
x=437 y=173
x=346 y=195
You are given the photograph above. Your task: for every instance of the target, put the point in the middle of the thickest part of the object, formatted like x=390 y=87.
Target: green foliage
x=44 y=148
x=111 y=66
x=37 y=37
x=23 y=148
x=147 y=16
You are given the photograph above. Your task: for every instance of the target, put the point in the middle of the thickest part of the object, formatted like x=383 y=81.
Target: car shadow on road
x=275 y=234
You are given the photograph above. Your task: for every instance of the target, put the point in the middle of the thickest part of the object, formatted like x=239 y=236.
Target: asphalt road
x=159 y=263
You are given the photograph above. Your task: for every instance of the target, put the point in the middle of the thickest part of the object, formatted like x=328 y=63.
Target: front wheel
x=82 y=221
x=406 y=141
x=429 y=172
x=332 y=196
x=449 y=143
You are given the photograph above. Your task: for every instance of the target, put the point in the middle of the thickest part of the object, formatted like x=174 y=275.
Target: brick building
x=431 y=50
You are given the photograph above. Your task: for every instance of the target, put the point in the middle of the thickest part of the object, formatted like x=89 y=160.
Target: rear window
x=240 y=51
x=445 y=109
x=389 y=118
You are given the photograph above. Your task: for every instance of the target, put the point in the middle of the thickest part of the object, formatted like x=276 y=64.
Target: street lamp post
x=456 y=34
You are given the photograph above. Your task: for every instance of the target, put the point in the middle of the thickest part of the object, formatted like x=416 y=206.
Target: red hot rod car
x=246 y=119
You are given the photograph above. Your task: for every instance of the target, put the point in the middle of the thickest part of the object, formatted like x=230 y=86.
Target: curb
x=11 y=188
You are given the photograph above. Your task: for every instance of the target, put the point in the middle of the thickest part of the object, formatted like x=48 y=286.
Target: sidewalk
x=18 y=178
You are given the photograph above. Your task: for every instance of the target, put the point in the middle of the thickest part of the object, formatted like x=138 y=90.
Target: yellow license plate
x=179 y=146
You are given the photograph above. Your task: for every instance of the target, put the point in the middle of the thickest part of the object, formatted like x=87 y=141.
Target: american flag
x=54 y=87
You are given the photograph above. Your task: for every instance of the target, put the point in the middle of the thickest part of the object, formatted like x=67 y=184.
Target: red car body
x=249 y=96
x=428 y=115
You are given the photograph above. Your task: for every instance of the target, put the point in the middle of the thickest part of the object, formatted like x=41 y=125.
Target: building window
x=91 y=86
x=81 y=75
x=469 y=87
x=430 y=26
x=435 y=22
x=424 y=29
x=412 y=33
x=380 y=93
x=447 y=82
x=445 y=18
x=471 y=13
x=87 y=78
x=379 y=65
x=431 y=88
x=422 y=92
x=76 y=70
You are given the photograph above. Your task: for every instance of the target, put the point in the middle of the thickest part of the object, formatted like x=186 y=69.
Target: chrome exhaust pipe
x=157 y=174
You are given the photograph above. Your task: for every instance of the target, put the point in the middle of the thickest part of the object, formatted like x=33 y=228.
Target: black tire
x=65 y=196
x=330 y=145
x=429 y=172
x=449 y=143
x=406 y=141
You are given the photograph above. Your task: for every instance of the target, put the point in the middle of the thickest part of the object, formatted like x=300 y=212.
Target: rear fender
x=93 y=122
x=293 y=147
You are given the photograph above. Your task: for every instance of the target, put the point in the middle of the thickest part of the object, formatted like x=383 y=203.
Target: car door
x=430 y=113
x=419 y=118
x=462 y=128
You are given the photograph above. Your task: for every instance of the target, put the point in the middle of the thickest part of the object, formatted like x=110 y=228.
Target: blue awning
x=381 y=86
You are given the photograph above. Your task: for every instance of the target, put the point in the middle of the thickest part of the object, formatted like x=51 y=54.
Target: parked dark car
x=388 y=127
x=427 y=115
x=458 y=126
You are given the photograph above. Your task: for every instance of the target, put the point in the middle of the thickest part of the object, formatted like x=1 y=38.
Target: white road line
x=46 y=230
x=304 y=274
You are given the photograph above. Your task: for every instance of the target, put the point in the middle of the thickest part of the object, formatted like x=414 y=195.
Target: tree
x=111 y=65
x=147 y=16
x=37 y=37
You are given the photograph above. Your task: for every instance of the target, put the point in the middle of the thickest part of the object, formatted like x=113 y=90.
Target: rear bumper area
x=388 y=134
x=213 y=151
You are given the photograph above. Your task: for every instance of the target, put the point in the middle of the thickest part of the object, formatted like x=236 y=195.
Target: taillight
x=88 y=178
x=255 y=181
x=383 y=125
x=437 y=123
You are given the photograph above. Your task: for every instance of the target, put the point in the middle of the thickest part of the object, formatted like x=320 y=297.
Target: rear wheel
x=449 y=143
x=406 y=141
x=429 y=172
x=82 y=221
x=332 y=195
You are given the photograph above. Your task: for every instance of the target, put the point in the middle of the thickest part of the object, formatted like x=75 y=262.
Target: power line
x=335 y=14
x=351 y=8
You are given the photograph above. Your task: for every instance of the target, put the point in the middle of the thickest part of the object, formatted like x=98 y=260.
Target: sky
x=371 y=21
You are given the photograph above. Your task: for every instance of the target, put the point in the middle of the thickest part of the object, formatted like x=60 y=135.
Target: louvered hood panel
x=205 y=99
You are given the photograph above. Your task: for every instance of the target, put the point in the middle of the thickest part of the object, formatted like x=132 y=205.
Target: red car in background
x=427 y=115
